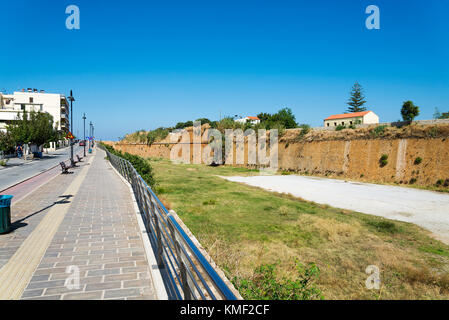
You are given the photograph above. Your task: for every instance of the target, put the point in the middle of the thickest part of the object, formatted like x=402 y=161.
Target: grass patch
x=250 y=231
x=384 y=226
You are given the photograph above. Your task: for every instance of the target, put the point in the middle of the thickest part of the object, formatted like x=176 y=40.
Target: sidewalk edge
x=156 y=276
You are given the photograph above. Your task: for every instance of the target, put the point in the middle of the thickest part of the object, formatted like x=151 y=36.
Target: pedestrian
x=19 y=151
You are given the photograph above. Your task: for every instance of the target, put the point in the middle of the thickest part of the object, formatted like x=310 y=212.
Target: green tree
x=7 y=144
x=357 y=99
x=444 y=115
x=283 y=118
x=33 y=128
x=182 y=125
x=409 y=111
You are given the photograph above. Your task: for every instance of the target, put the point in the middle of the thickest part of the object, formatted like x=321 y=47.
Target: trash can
x=5 y=214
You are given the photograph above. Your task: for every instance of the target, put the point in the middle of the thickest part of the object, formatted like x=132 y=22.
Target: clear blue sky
x=144 y=64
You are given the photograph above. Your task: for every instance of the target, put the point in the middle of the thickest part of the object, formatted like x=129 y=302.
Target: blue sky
x=144 y=64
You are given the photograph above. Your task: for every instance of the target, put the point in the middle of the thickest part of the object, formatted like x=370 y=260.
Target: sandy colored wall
x=360 y=159
x=357 y=159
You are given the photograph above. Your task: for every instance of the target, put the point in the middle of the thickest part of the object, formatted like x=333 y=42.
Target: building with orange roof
x=347 y=119
x=252 y=120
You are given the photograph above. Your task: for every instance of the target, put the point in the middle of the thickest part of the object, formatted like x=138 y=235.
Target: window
x=31 y=100
x=328 y=124
x=350 y=122
x=7 y=101
x=335 y=124
x=22 y=106
x=342 y=123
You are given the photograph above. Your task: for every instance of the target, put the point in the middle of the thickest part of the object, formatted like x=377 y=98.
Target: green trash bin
x=5 y=214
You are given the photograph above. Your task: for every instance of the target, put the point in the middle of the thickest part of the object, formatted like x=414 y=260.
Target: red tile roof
x=347 y=115
x=253 y=118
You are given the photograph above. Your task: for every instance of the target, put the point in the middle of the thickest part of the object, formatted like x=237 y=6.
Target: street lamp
x=90 y=137
x=84 y=133
x=71 y=99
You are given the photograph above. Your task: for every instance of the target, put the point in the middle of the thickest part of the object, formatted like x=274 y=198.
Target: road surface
x=427 y=209
x=19 y=171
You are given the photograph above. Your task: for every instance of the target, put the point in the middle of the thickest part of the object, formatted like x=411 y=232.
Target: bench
x=64 y=168
x=79 y=158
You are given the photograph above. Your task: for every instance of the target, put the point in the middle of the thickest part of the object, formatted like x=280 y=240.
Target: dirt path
x=427 y=209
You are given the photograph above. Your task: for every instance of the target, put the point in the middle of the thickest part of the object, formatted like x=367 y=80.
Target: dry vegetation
x=415 y=130
x=244 y=227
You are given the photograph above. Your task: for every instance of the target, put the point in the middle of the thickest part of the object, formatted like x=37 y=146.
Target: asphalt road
x=427 y=209
x=16 y=171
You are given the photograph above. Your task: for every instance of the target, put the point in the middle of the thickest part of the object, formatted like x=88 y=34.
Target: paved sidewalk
x=98 y=236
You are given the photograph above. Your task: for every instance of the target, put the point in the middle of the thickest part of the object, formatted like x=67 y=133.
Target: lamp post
x=90 y=137
x=84 y=133
x=71 y=98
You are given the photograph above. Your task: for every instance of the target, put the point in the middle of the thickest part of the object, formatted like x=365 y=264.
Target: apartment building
x=33 y=99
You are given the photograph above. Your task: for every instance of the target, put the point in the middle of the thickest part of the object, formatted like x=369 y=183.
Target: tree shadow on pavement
x=20 y=223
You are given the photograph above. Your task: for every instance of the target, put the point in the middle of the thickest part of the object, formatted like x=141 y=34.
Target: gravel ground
x=427 y=209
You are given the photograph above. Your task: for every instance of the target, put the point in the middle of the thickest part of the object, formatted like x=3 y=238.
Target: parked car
x=82 y=143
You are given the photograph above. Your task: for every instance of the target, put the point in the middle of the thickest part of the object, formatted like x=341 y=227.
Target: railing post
x=160 y=262
x=182 y=266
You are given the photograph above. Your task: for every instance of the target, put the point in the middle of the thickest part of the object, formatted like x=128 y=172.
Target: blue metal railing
x=186 y=272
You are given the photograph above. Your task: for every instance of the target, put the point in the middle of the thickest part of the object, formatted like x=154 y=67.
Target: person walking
x=19 y=151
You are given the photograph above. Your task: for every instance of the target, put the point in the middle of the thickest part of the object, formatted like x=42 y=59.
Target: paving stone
x=100 y=235
x=97 y=295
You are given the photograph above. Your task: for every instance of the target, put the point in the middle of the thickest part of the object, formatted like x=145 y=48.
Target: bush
x=140 y=164
x=340 y=127
x=418 y=160
x=378 y=131
x=383 y=161
x=384 y=226
x=157 y=134
x=266 y=285
x=305 y=129
x=412 y=180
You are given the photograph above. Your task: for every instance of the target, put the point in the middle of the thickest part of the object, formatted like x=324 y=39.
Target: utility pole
x=71 y=98
x=84 y=133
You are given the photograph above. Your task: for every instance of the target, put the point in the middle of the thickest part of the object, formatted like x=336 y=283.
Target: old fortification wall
x=353 y=154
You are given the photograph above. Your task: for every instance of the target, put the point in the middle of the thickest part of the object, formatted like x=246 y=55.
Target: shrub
x=383 y=161
x=440 y=182
x=384 y=226
x=140 y=164
x=266 y=285
x=340 y=127
x=378 y=131
x=157 y=134
x=305 y=129
x=412 y=180
x=433 y=132
x=417 y=161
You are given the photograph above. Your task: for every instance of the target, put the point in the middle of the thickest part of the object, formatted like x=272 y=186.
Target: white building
x=347 y=119
x=252 y=120
x=32 y=99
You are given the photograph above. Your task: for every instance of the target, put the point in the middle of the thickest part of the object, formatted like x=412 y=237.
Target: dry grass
x=244 y=227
